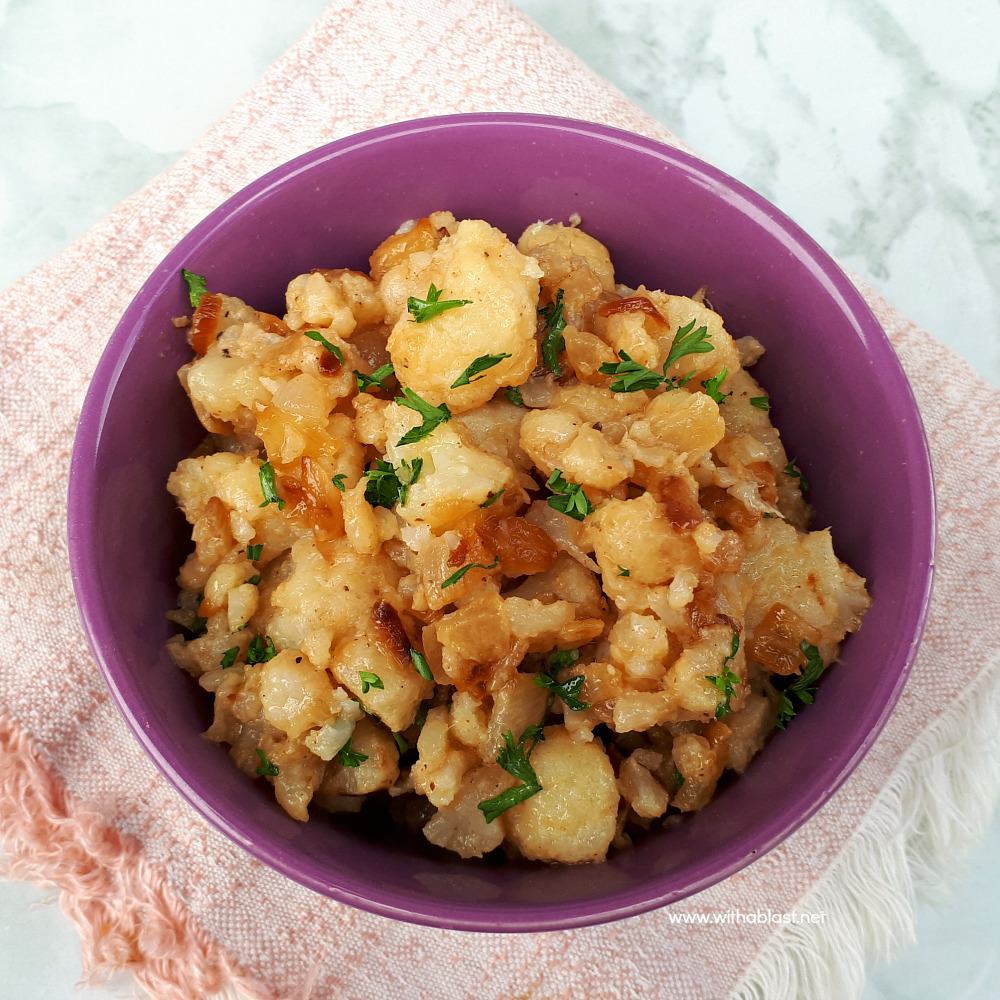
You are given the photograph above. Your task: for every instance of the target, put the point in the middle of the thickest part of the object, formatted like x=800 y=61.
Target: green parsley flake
x=492 y=498
x=265 y=768
x=727 y=682
x=401 y=744
x=513 y=758
x=796 y=473
x=254 y=551
x=255 y=579
x=804 y=686
x=687 y=341
x=712 y=386
x=568 y=498
x=229 y=657
x=432 y=416
x=761 y=402
x=459 y=573
x=421 y=667
x=567 y=690
x=553 y=341
x=561 y=658
x=338 y=481
x=383 y=486
x=478 y=366
x=369 y=681
x=632 y=377
x=260 y=650
x=514 y=396
x=424 y=309
x=269 y=487
x=376 y=380
x=622 y=571
x=196 y=285
x=347 y=756
x=332 y=348
x=411 y=472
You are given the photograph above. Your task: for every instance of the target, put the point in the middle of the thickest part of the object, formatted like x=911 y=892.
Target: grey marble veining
x=872 y=122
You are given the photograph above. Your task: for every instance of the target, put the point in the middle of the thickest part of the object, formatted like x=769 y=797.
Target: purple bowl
x=840 y=399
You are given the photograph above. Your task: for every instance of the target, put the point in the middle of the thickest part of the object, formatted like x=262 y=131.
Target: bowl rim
x=386 y=901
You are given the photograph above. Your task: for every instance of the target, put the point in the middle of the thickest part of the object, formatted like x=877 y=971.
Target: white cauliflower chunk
x=478 y=264
x=559 y=439
x=572 y=819
x=461 y=826
x=333 y=300
x=455 y=478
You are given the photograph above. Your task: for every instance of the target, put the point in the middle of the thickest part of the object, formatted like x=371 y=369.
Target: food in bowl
x=490 y=536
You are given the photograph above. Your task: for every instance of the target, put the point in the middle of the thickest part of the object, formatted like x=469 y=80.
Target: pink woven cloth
x=151 y=886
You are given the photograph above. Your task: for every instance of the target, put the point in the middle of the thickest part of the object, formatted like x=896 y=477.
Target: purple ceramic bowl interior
x=839 y=397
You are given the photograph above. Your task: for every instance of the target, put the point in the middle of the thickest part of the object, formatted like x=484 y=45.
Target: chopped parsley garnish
x=197 y=625
x=553 y=341
x=632 y=377
x=376 y=380
x=424 y=309
x=383 y=486
x=687 y=341
x=229 y=656
x=347 y=756
x=411 y=472
x=338 y=481
x=254 y=551
x=567 y=690
x=568 y=498
x=678 y=779
x=492 y=498
x=401 y=743
x=514 y=396
x=796 y=473
x=332 y=348
x=421 y=666
x=622 y=571
x=261 y=649
x=803 y=687
x=255 y=579
x=513 y=758
x=478 y=366
x=265 y=768
x=431 y=416
x=196 y=284
x=387 y=486
x=459 y=573
x=727 y=682
x=761 y=402
x=269 y=487
x=711 y=386
x=370 y=680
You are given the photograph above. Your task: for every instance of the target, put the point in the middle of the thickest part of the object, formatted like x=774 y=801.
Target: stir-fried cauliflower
x=494 y=548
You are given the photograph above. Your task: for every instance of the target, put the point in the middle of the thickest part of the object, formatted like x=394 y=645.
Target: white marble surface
x=873 y=122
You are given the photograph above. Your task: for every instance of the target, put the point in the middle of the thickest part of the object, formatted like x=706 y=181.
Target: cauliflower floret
x=442 y=760
x=572 y=819
x=640 y=645
x=558 y=439
x=336 y=301
x=573 y=262
x=478 y=264
x=679 y=311
x=455 y=478
x=324 y=601
x=295 y=695
x=635 y=535
x=461 y=826
x=675 y=423
x=801 y=572
x=378 y=770
x=397 y=700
